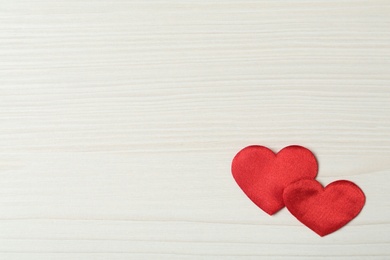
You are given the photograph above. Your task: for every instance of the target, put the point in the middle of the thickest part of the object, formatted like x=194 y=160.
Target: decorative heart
x=324 y=210
x=263 y=175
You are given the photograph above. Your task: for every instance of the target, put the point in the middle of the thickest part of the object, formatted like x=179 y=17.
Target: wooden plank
x=119 y=121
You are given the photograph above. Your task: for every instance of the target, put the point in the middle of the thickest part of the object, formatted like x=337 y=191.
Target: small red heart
x=324 y=210
x=263 y=175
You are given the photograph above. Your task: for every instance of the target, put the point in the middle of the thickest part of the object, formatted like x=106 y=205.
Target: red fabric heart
x=324 y=210
x=263 y=175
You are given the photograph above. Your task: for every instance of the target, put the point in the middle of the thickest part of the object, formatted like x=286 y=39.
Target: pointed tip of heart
x=273 y=211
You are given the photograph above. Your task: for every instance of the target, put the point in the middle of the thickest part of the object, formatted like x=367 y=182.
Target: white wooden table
x=119 y=120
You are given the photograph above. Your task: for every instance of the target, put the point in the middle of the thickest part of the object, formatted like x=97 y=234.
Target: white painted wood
x=119 y=120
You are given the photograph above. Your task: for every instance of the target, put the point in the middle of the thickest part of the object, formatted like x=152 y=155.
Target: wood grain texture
x=119 y=120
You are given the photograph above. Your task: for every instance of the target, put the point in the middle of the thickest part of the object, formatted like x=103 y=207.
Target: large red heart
x=324 y=210
x=263 y=175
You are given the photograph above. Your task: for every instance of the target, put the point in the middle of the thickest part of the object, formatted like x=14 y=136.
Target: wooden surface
x=119 y=120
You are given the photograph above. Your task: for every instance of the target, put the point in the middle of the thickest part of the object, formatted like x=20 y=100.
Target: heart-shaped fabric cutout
x=263 y=175
x=324 y=210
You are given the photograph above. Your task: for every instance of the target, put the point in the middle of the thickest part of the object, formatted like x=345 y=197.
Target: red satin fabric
x=324 y=210
x=263 y=176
